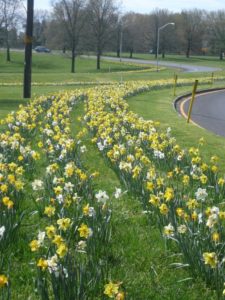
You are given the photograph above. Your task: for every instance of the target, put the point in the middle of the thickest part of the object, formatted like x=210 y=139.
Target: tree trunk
x=8 y=58
x=221 y=54
x=188 y=49
x=73 y=61
x=163 y=54
x=8 y=53
x=131 y=53
x=98 y=60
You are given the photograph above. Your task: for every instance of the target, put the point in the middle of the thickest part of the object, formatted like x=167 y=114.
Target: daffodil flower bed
x=180 y=191
x=17 y=164
x=154 y=83
x=139 y=68
x=61 y=83
x=70 y=249
x=70 y=242
x=143 y=69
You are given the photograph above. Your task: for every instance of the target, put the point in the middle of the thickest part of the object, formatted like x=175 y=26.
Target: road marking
x=183 y=113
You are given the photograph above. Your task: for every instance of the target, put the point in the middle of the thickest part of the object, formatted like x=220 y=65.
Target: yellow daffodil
x=210 y=258
x=3 y=281
x=42 y=263
x=111 y=289
x=64 y=223
x=84 y=231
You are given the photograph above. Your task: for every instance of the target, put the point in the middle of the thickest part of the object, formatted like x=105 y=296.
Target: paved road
x=208 y=111
x=184 y=67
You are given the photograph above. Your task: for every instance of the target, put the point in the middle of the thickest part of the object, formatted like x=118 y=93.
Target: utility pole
x=28 y=50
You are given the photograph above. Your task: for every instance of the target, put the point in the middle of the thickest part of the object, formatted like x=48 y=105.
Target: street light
x=157 y=52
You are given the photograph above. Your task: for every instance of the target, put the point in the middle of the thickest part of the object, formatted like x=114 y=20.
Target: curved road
x=184 y=67
x=208 y=111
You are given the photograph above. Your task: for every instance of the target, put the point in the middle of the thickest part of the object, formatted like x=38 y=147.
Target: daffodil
x=111 y=289
x=210 y=258
x=34 y=245
x=62 y=250
x=3 y=281
x=85 y=231
x=49 y=211
x=42 y=263
x=64 y=223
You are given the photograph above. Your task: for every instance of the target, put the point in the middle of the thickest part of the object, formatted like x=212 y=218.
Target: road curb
x=179 y=98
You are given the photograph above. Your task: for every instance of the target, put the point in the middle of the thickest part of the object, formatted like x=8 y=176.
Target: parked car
x=42 y=49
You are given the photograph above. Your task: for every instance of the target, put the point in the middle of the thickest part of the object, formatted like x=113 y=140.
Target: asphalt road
x=185 y=68
x=208 y=111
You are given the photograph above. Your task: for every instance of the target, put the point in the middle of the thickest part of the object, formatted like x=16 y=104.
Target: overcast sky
x=145 y=6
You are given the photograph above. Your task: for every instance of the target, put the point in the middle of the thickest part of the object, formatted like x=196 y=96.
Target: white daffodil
x=102 y=197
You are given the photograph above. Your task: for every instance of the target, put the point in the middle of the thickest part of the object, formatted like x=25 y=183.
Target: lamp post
x=157 y=54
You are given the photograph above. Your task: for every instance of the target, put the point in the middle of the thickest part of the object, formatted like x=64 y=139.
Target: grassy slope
x=56 y=68
x=51 y=63
x=157 y=105
x=211 y=61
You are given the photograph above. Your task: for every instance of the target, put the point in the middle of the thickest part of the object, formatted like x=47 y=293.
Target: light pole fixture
x=157 y=52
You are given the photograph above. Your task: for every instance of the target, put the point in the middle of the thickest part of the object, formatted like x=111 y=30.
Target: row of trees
x=10 y=16
x=196 y=31
x=97 y=25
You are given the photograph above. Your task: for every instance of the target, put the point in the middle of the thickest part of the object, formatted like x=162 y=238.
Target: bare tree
x=56 y=36
x=103 y=20
x=136 y=32
x=1 y=22
x=217 y=32
x=1 y=13
x=192 y=29
x=158 y=18
x=40 y=24
x=70 y=13
x=9 y=11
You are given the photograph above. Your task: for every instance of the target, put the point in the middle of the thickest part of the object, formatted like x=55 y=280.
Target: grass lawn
x=210 y=61
x=56 y=68
x=137 y=254
x=158 y=106
x=57 y=63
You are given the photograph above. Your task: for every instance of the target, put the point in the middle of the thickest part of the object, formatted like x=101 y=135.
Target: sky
x=146 y=6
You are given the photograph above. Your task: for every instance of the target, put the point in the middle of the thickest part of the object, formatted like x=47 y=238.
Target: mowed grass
x=137 y=256
x=56 y=68
x=56 y=62
x=158 y=106
x=210 y=61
